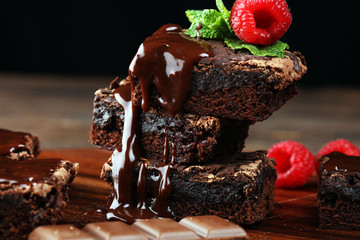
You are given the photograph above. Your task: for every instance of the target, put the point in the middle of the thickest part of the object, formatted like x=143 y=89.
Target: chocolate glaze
x=337 y=161
x=27 y=172
x=12 y=142
x=166 y=60
x=124 y=159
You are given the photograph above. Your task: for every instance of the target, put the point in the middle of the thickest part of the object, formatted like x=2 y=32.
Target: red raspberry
x=340 y=145
x=260 y=21
x=295 y=164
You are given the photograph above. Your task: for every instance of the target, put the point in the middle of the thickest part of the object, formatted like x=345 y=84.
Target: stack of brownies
x=202 y=140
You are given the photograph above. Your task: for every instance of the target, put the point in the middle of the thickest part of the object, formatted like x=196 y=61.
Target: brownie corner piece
x=338 y=199
x=34 y=196
x=241 y=191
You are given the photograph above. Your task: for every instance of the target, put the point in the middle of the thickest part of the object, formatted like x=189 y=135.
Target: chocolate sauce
x=12 y=142
x=162 y=187
x=338 y=161
x=124 y=160
x=166 y=60
x=26 y=172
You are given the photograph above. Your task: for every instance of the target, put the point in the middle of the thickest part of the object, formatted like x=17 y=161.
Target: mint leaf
x=212 y=23
x=212 y=19
x=193 y=15
x=204 y=32
x=224 y=12
x=275 y=50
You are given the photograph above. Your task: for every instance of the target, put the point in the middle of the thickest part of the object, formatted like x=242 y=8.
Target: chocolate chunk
x=164 y=228
x=59 y=232
x=214 y=227
x=113 y=230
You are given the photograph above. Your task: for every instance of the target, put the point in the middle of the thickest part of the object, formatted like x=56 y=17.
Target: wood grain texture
x=295 y=216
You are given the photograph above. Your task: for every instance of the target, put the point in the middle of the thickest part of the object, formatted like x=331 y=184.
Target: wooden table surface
x=295 y=216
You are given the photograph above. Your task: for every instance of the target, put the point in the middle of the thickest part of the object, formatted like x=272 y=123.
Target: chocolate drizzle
x=165 y=60
x=124 y=160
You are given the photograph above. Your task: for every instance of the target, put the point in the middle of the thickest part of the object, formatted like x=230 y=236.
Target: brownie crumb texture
x=339 y=194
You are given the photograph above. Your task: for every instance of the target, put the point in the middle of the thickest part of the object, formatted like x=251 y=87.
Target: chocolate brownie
x=189 y=137
x=236 y=85
x=18 y=145
x=32 y=193
x=240 y=190
x=339 y=191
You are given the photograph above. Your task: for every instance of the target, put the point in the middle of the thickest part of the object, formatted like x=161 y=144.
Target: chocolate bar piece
x=59 y=232
x=32 y=193
x=164 y=228
x=205 y=227
x=338 y=198
x=113 y=230
x=213 y=227
x=18 y=145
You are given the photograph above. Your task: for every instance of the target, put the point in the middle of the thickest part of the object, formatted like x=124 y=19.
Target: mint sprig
x=215 y=24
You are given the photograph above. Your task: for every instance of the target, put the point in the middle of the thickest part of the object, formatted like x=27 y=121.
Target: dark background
x=101 y=37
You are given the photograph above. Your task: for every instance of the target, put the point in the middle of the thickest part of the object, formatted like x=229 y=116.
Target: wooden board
x=295 y=216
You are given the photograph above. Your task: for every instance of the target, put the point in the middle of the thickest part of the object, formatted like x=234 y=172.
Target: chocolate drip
x=124 y=160
x=338 y=161
x=166 y=60
x=161 y=190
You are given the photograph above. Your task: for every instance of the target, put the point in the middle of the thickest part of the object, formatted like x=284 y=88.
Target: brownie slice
x=237 y=85
x=189 y=138
x=339 y=192
x=18 y=145
x=241 y=190
x=32 y=193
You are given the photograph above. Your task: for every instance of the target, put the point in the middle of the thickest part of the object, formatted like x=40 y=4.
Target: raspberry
x=295 y=164
x=260 y=21
x=340 y=145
